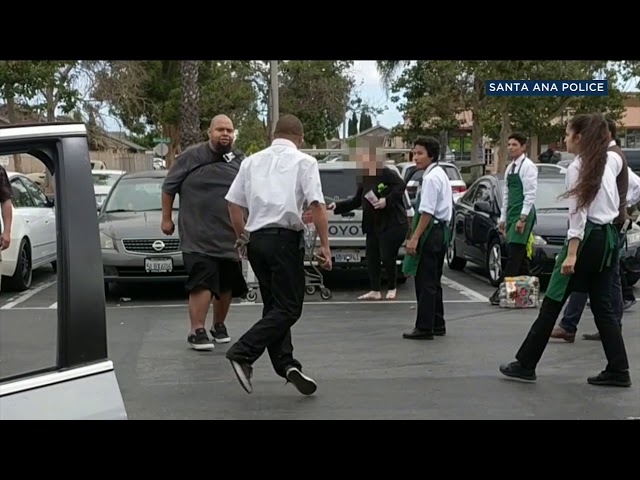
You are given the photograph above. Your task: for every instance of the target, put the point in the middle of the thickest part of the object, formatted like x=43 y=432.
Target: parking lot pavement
x=354 y=350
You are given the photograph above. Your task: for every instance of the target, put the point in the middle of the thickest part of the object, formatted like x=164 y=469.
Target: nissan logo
x=158 y=245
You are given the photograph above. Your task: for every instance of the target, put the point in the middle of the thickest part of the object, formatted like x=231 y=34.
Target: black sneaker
x=244 y=372
x=417 y=334
x=219 y=333
x=304 y=384
x=517 y=371
x=200 y=340
x=610 y=379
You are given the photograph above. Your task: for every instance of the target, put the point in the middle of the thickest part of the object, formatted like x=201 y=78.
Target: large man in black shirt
x=6 y=212
x=201 y=176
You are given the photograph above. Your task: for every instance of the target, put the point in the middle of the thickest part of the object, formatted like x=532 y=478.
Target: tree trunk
x=11 y=113
x=444 y=142
x=52 y=104
x=505 y=131
x=172 y=132
x=190 y=105
x=476 y=140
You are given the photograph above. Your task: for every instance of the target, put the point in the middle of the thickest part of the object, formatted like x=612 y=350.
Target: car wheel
x=494 y=262
x=23 y=275
x=454 y=262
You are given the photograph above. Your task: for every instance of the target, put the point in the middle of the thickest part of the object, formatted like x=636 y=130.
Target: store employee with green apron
x=427 y=246
x=586 y=262
x=518 y=214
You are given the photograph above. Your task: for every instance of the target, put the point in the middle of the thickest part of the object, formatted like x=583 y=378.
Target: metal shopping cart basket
x=314 y=279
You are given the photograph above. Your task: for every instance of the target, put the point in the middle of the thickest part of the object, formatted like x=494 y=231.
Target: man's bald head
x=221 y=133
x=290 y=128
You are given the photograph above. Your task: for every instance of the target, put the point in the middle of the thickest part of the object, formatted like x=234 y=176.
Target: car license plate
x=158 y=265
x=347 y=257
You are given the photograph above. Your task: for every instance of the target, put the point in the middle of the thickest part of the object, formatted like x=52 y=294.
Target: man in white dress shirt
x=518 y=213
x=274 y=185
x=428 y=242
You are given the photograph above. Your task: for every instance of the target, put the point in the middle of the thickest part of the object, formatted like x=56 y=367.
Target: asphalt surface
x=354 y=350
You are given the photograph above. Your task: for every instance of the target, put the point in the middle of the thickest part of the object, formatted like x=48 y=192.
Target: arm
x=237 y=198
x=530 y=187
x=505 y=199
x=171 y=186
x=344 y=206
x=428 y=201
x=313 y=195
x=577 y=219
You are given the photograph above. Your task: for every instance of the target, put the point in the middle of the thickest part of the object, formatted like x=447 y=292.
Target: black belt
x=276 y=231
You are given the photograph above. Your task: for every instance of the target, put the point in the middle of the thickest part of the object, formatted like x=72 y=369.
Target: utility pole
x=274 y=96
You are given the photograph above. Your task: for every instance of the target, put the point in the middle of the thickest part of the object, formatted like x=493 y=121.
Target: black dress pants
x=430 y=309
x=277 y=259
x=586 y=278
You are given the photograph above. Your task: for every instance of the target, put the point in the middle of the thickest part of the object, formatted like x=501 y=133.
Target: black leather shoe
x=515 y=370
x=417 y=334
x=611 y=379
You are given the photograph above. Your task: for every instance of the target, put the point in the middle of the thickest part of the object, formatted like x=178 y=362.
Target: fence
x=130 y=162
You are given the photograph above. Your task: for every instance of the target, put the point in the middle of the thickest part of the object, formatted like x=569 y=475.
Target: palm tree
x=388 y=70
x=190 y=105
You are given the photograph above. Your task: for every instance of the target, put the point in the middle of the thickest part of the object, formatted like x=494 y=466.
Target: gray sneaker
x=200 y=340
x=303 y=383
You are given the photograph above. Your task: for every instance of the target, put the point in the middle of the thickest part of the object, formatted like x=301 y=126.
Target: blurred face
x=221 y=133
x=572 y=141
x=421 y=157
x=515 y=148
x=368 y=162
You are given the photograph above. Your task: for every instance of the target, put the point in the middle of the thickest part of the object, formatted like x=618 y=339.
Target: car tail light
x=459 y=188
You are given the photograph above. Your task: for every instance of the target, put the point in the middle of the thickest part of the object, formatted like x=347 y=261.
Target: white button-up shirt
x=274 y=185
x=604 y=208
x=528 y=172
x=435 y=197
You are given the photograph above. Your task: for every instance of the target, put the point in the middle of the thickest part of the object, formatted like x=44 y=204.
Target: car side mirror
x=484 y=207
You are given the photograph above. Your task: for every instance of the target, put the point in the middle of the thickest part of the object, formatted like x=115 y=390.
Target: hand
x=5 y=240
x=168 y=227
x=324 y=257
x=519 y=226
x=412 y=246
x=501 y=228
x=380 y=204
x=568 y=266
x=331 y=206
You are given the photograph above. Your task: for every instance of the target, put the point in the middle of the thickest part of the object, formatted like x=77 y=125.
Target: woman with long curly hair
x=585 y=263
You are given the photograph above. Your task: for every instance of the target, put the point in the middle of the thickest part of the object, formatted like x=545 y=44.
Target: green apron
x=559 y=282
x=410 y=262
x=514 y=209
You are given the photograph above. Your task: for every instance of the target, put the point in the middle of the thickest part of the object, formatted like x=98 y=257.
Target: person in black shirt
x=201 y=176
x=384 y=220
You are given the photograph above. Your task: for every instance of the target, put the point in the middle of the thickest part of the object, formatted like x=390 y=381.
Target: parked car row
x=476 y=238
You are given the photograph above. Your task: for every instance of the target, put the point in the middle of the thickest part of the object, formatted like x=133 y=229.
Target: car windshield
x=548 y=193
x=339 y=184
x=137 y=195
x=105 y=179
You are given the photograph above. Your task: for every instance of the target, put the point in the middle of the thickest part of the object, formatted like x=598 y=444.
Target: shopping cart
x=314 y=279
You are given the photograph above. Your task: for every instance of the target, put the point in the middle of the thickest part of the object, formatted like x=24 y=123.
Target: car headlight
x=538 y=240
x=106 y=242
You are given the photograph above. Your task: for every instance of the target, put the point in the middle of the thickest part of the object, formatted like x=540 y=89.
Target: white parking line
x=258 y=304
x=27 y=295
x=53 y=306
x=464 y=290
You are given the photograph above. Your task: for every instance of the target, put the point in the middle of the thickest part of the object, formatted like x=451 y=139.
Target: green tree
x=318 y=93
x=353 y=125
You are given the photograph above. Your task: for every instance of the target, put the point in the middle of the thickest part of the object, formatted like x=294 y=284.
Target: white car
x=33 y=234
x=413 y=178
x=551 y=168
x=103 y=180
